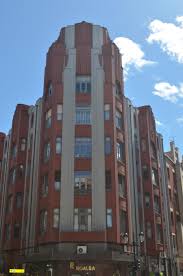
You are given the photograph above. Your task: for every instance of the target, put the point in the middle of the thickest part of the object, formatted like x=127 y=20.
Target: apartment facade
x=83 y=169
x=66 y=198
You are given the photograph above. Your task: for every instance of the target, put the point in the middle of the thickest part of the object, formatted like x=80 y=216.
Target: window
x=23 y=144
x=145 y=172
x=106 y=112
x=143 y=145
x=7 y=232
x=58 y=145
x=172 y=218
x=21 y=171
x=156 y=204
x=57 y=180
x=118 y=88
x=121 y=183
x=59 y=112
x=83 y=147
x=109 y=218
x=9 y=204
x=82 y=182
x=158 y=233
x=123 y=222
x=147 y=200
x=83 y=84
x=83 y=115
x=174 y=242
x=107 y=145
x=14 y=151
x=50 y=89
x=48 y=118
x=56 y=215
x=168 y=172
x=120 y=151
x=108 y=180
x=149 y=230
x=18 y=200
x=155 y=177
x=82 y=219
x=43 y=221
x=153 y=150
x=30 y=141
x=118 y=120
x=44 y=190
x=32 y=120
x=12 y=176
x=16 y=230
x=47 y=151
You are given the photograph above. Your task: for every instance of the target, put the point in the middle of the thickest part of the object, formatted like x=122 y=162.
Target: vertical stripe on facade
x=97 y=113
x=68 y=134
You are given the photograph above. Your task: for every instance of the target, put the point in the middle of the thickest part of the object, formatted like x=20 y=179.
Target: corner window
x=120 y=150
x=21 y=171
x=44 y=190
x=58 y=145
x=155 y=177
x=118 y=88
x=107 y=112
x=118 y=120
x=83 y=84
x=12 y=176
x=56 y=214
x=48 y=118
x=82 y=182
x=149 y=230
x=83 y=147
x=47 y=151
x=107 y=145
x=23 y=144
x=109 y=218
x=143 y=145
x=43 y=221
x=18 y=200
x=83 y=115
x=57 y=180
x=14 y=151
x=9 y=204
x=147 y=200
x=145 y=172
x=121 y=182
x=59 y=112
x=16 y=231
x=50 y=89
x=7 y=232
x=108 y=183
x=82 y=219
x=123 y=222
x=156 y=204
x=158 y=233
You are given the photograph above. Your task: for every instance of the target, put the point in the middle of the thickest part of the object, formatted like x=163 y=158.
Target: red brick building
x=82 y=171
x=66 y=191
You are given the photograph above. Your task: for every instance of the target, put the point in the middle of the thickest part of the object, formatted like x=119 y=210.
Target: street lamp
x=136 y=264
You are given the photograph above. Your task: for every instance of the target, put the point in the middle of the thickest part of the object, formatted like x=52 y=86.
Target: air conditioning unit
x=81 y=249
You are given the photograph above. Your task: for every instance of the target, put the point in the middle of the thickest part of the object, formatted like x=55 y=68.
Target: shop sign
x=14 y=270
x=82 y=267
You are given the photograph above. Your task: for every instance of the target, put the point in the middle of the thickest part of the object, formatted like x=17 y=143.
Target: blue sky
x=150 y=37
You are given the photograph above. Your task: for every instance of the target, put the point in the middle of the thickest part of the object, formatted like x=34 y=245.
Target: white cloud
x=180 y=120
x=169 y=36
x=132 y=54
x=168 y=92
x=158 y=123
